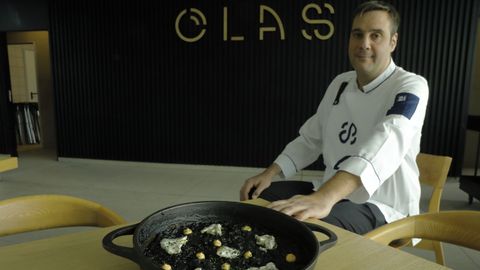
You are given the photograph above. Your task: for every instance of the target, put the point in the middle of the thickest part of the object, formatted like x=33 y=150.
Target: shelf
x=28 y=147
x=27 y=124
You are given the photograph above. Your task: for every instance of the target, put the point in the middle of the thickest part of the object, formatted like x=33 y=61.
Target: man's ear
x=393 y=42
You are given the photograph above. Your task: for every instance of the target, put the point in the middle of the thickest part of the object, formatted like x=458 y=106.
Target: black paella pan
x=292 y=236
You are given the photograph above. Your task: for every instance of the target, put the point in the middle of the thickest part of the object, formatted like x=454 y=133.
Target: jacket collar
x=380 y=79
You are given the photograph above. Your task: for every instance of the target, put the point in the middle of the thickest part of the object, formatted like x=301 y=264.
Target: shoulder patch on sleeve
x=405 y=104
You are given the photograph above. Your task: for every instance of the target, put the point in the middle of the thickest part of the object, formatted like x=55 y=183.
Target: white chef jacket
x=373 y=133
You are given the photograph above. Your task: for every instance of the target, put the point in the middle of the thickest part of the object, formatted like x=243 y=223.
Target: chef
x=368 y=129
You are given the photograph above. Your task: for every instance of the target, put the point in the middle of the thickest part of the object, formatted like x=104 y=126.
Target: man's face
x=371 y=44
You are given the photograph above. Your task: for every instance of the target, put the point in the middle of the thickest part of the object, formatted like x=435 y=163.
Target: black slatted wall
x=128 y=88
x=438 y=42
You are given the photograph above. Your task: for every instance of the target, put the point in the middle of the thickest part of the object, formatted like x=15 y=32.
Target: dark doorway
x=27 y=102
x=19 y=15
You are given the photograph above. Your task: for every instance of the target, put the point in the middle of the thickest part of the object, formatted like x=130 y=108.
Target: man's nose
x=365 y=43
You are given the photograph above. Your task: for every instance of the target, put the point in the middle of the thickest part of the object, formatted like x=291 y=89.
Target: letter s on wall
x=312 y=21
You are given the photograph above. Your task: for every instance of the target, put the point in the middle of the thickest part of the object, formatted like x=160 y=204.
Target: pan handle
x=325 y=244
x=125 y=252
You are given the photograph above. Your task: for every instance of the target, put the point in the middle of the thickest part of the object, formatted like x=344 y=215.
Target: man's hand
x=303 y=207
x=259 y=182
x=319 y=204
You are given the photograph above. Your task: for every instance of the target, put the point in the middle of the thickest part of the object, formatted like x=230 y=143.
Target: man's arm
x=338 y=187
x=319 y=204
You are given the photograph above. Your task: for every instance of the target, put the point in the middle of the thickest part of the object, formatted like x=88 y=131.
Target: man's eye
x=375 y=36
x=357 y=35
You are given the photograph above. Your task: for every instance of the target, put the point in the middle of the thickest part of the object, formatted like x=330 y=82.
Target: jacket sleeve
x=383 y=153
x=307 y=147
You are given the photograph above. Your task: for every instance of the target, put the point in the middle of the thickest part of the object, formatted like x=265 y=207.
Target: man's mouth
x=363 y=56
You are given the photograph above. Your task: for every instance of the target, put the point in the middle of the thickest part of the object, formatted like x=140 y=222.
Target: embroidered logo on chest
x=348 y=133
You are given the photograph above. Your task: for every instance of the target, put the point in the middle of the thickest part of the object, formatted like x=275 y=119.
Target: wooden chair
x=7 y=163
x=456 y=227
x=433 y=172
x=39 y=212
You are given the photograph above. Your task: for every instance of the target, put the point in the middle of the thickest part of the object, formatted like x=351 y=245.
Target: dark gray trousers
x=357 y=218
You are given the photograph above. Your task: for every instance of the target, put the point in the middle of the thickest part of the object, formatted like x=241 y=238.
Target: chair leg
x=438 y=249
x=470 y=199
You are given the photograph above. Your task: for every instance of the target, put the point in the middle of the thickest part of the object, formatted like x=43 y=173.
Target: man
x=368 y=128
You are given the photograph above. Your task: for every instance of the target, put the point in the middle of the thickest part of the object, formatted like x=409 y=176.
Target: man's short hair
x=382 y=6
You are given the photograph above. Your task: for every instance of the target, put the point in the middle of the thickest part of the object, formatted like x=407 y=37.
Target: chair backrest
x=434 y=172
x=455 y=227
x=38 y=212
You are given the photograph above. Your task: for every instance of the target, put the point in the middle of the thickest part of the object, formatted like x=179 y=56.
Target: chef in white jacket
x=368 y=129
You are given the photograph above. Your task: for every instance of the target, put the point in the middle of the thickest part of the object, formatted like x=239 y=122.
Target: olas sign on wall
x=200 y=20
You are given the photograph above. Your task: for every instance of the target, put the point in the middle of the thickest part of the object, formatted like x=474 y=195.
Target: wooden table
x=84 y=251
